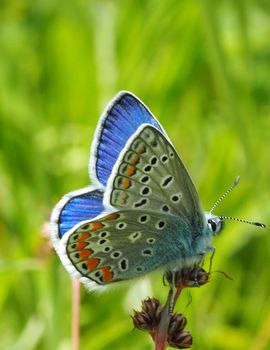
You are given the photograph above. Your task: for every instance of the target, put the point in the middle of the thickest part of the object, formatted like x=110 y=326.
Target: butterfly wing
x=149 y=175
x=73 y=208
x=123 y=245
x=119 y=121
x=117 y=124
x=159 y=209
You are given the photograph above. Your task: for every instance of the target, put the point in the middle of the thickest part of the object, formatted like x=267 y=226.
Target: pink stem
x=162 y=330
x=177 y=294
x=75 y=314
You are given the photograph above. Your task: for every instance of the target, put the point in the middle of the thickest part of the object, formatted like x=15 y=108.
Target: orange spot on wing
x=130 y=170
x=84 y=254
x=96 y=226
x=81 y=245
x=84 y=236
x=134 y=160
x=106 y=273
x=92 y=264
x=126 y=183
x=141 y=149
x=112 y=216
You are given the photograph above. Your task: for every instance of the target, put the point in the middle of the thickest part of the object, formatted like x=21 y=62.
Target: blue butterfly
x=141 y=213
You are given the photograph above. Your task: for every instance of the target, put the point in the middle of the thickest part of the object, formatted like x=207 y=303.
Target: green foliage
x=203 y=69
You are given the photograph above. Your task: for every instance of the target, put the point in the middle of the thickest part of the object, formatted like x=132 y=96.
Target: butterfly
x=141 y=213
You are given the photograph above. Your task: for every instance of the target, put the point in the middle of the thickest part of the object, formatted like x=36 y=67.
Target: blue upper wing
x=75 y=207
x=117 y=124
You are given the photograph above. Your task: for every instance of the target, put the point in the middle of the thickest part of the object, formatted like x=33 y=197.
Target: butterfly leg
x=172 y=302
x=201 y=258
x=164 y=279
x=173 y=278
x=211 y=258
x=189 y=301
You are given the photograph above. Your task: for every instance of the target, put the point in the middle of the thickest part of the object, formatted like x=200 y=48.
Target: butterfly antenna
x=222 y=217
x=225 y=194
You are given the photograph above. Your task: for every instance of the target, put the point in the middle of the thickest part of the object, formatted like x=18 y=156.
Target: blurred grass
x=203 y=69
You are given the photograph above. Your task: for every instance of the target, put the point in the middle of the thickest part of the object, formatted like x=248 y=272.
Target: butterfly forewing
x=149 y=175
x=117 y=124
x=126 y=244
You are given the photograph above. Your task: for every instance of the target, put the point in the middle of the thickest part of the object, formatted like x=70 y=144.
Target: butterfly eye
x=212 y=225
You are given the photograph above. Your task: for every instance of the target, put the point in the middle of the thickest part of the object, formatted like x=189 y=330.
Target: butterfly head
x=216 y=223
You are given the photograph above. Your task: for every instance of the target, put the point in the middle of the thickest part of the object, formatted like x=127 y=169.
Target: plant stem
x=162 y=331
x=177 y=294
x=75 y=314
x=161 y=334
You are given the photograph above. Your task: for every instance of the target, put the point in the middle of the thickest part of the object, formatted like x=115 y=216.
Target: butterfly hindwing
x=123 y=116
x=125 y=244
x=149 y=175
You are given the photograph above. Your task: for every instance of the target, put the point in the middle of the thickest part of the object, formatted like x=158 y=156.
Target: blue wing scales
x=75 y=207
x=124 y=115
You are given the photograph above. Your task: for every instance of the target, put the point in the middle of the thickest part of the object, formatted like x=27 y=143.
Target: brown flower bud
x=148 y=319
x=194 y=276
x=180 y=340
x=177 y=323
x=202 y=276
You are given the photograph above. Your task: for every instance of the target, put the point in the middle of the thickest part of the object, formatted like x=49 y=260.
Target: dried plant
x=164 y=326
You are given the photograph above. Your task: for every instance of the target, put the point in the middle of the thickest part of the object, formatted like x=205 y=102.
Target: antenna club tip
x=223 y=217
x=237 y=179
x=259 y=224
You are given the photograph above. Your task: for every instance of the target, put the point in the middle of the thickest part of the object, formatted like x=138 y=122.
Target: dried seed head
x=181 y=340
x=202 y=276
x=148 y=319
x=194 y=276
x=177 y=337
x=177 y=323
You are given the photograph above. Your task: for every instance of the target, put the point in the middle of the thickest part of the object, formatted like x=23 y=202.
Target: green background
x=203 y=69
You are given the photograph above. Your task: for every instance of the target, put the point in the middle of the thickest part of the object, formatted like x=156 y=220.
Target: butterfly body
x=144 y=212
